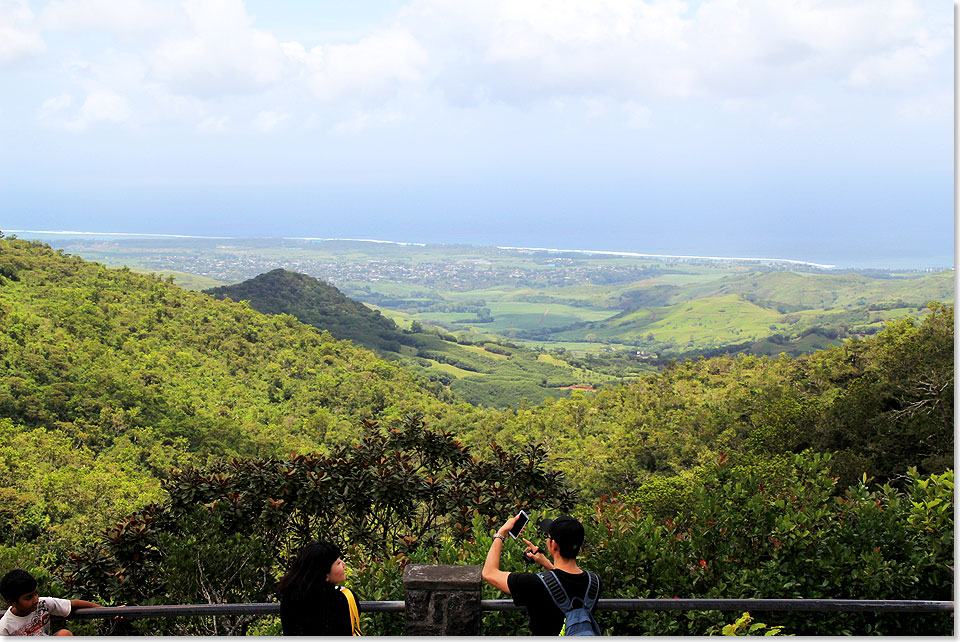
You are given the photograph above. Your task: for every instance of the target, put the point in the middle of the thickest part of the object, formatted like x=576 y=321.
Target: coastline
x=673 y=256
x=683 y=257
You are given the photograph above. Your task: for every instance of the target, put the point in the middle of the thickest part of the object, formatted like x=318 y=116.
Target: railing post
x=442 y=599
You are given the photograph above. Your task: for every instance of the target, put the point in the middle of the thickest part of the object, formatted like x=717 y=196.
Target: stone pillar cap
x=442 y=577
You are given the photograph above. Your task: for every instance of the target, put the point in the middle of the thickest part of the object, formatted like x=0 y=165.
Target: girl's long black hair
x=309 y=571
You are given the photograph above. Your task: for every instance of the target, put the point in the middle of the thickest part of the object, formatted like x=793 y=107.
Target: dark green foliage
x=745 y=537
x=896 y=408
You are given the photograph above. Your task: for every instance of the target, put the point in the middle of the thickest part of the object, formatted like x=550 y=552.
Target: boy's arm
x=82 y=604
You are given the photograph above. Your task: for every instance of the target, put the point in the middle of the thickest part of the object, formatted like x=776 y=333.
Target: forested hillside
x=318 y=304
x=109 y=378
x=126 y=400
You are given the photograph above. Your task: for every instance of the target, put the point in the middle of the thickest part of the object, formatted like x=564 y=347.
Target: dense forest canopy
x=116 y=387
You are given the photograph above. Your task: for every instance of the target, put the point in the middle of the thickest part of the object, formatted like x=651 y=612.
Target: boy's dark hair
x=16 y=584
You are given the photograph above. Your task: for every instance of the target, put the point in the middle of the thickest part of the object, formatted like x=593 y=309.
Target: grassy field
x=189 y=281
x=486 y=353
x=700 y=320
x=574 y=347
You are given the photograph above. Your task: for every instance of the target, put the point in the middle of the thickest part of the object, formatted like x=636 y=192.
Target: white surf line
x=670 y=256
x=126 y=234
x=194 y=236
x=318 y=238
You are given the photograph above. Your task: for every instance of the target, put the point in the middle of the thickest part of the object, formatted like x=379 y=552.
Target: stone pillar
x=442 y=599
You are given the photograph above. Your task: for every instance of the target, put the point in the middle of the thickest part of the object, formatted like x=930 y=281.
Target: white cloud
x=638 y=116
x=523 y=50
x=19 y=38
x=364 y=120
x=223 y=54
x=922 y=110
x=895 y=69
x=214 y=124
x=371 y=70
x=54 y=106
x=738 y=105
x=126 y=18
x=180 y=60
x=267 y=121
x=808 y=104
x=781 y=121
x=100 y=107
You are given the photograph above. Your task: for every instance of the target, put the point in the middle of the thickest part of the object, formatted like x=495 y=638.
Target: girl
x=311 y=603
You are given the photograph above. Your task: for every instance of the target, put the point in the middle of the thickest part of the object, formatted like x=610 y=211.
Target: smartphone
x=520 y=524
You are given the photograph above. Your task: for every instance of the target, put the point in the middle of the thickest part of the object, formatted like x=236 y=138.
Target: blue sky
x=818 y=130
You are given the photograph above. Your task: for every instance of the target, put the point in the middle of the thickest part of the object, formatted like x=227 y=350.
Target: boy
x=29 y=614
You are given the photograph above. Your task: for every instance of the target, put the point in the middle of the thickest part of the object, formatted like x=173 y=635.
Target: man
x=563 y=544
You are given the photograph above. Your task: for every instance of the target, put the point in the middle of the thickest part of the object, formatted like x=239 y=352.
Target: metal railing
x=653 y=604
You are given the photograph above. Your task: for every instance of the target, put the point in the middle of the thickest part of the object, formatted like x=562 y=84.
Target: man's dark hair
x=567 y=532
x=16 y=584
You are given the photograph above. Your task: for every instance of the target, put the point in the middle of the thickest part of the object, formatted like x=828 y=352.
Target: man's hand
x=537 y=554
x=505 y=529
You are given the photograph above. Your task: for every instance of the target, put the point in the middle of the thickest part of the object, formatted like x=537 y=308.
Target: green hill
x=318 y=304
x=695 y=322
x=792 y=291
x=475 y=369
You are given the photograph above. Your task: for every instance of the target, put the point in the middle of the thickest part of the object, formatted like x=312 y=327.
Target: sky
x=817 y=130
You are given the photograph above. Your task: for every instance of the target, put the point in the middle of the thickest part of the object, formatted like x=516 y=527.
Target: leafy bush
x=743 y=537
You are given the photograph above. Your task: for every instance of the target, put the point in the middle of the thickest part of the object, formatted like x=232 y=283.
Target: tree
x=896 y=409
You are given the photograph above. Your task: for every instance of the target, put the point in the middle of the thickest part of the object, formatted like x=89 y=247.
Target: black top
x=545 y=618
x=323 y=612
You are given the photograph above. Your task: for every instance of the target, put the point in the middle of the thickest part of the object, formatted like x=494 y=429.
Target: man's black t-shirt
x=545 y=618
